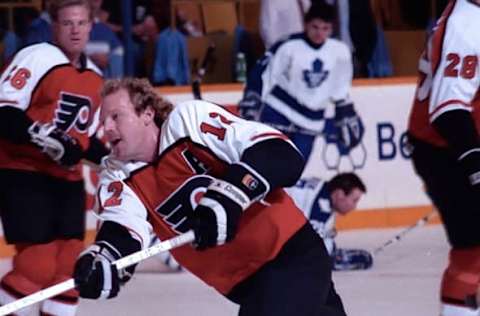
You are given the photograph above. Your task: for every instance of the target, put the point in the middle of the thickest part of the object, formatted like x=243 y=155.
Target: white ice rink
x=403 y=281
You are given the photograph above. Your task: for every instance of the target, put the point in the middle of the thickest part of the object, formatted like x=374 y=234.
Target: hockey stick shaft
x=124 y=262
x=197 y=94
x=400 y=235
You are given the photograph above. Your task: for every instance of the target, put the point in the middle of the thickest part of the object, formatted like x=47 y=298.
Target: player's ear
x=148 y=115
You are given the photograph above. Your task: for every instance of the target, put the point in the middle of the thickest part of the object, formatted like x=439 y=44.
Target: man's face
x=125 y=130
x=345 y=203
x=318 y=30
x=72 y=30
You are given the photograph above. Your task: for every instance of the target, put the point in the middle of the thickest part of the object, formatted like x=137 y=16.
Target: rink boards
x=395 y=195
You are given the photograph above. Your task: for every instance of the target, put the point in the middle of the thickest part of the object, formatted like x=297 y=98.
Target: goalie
x=320 y=200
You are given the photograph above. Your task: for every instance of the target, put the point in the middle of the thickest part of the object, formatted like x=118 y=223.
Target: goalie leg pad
x=461 y=279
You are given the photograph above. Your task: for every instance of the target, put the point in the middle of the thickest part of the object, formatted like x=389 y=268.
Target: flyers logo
x=181 y=203
x=73 y=111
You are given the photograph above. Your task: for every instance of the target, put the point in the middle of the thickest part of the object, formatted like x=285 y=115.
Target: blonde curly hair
x=142 y=95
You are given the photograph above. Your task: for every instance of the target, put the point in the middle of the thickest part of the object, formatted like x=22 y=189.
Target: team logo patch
x=73 y=111
x=315 y=76
x=250 y=182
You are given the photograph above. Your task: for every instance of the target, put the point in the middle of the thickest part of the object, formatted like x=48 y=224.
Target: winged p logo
x=73 y=111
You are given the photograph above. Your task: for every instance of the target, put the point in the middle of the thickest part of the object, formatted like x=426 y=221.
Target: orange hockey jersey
x=197 y=142
x=41 y=81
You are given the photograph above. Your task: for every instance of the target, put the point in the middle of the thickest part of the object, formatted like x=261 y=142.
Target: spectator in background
x=40 y=30
x=10 y=44
x=281 y=18
x=292 y=86
x=356 y=27
x=144 y=28
x=320 y=201
x=103 y=47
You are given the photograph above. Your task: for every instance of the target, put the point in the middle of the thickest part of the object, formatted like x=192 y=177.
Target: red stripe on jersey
x=8 y=101
x=279 y=135
x=444 y=104
x=438 y=37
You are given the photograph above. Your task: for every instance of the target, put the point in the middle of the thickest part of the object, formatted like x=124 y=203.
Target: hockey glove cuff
x=215 y=219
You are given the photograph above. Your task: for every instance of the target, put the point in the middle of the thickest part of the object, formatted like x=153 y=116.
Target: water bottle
x=241 y=68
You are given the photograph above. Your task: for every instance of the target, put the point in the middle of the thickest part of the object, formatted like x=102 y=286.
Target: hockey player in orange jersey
x=199 y=167
x=443 y=131
x=49 y=106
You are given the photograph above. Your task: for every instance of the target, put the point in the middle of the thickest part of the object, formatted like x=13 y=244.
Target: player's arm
x=454 y=86
x=253 y=152
x=124 y=230
x=348 y=122
x=17 y=84
x=18 y=128
x=458 y=128
x=215 y=220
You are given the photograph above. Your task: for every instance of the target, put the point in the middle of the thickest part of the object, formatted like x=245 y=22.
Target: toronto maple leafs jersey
x=42 y=82
x=312 y=196
x=300 y=80
x=198 y=141
x=449 y=76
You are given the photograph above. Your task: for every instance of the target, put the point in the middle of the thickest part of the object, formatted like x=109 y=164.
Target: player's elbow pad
x=277 y=161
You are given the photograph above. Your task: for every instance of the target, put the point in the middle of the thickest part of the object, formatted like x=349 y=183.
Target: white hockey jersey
x=197 y=142
x=313 y=198
x=448 y=71
x=300 y=80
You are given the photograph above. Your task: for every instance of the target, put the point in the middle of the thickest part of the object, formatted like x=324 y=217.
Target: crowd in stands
x=359 y=24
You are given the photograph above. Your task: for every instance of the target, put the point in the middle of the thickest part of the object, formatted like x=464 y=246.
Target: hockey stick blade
x=422 y=221
x=197 y=94
x=124 y=262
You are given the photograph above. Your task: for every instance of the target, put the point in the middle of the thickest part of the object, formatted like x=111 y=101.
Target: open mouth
x=115 y=142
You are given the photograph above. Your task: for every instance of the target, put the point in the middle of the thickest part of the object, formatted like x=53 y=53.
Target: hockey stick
x=422 y=221
x=124 y=262
x=197 y=94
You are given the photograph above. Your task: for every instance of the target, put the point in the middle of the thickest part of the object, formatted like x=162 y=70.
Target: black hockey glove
x=95 y=275
x=215 y=219
x=250 y=106
x=58 y=145
x=349 y=124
